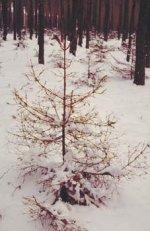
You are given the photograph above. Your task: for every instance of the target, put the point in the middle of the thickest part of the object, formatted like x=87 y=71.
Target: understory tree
x=65 y=144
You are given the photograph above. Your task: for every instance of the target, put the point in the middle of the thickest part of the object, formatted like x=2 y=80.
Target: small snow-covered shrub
x=99 y=49
x=21 y=43
x=50 y=217
x=75 y=184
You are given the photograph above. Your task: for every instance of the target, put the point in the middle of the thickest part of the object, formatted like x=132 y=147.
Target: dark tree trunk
x=64 y=101
x=0 y=16
x=131 y=30
x=36 y=18
x=14 y=19
x=41 y=31
x=126 y=20
x=94 y=12
x=98 y=15
x=148 y=41
x=88 y=23
x=139 y=76
x=49 y=16
x=111 y=16
x=80 y=22
x=87 y=38
x=120 y=20
x=4 y=12
x=19 y=17
x=9 y=16
x=30 y=18
x=107 y=19
x=73 y=34
x=62 y=23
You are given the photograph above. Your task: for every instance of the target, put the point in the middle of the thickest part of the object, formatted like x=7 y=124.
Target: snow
x=129 y=104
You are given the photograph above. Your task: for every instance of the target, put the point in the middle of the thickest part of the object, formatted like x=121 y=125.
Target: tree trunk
x=64 y=103
x=73 y=33
x=19 y=17
x=62 y=23
x=139 y=76
x=36 y=18
x=80 y=23
x=4 y=12
x=120 y=20
x=30 y=18
x=126 y=20
x=88 y=23
x=49 y=16
x=131 y=30
x=111 y=27
x=41 y=31
x=9 y=16
x=14 y=19
x=98 y=15
x=107 y=19
x=148 y=41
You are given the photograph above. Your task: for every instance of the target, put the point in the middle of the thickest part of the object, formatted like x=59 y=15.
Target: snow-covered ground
x=127 y=103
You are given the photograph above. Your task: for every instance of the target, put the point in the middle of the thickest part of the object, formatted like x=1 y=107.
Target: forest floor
x=129 y=104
